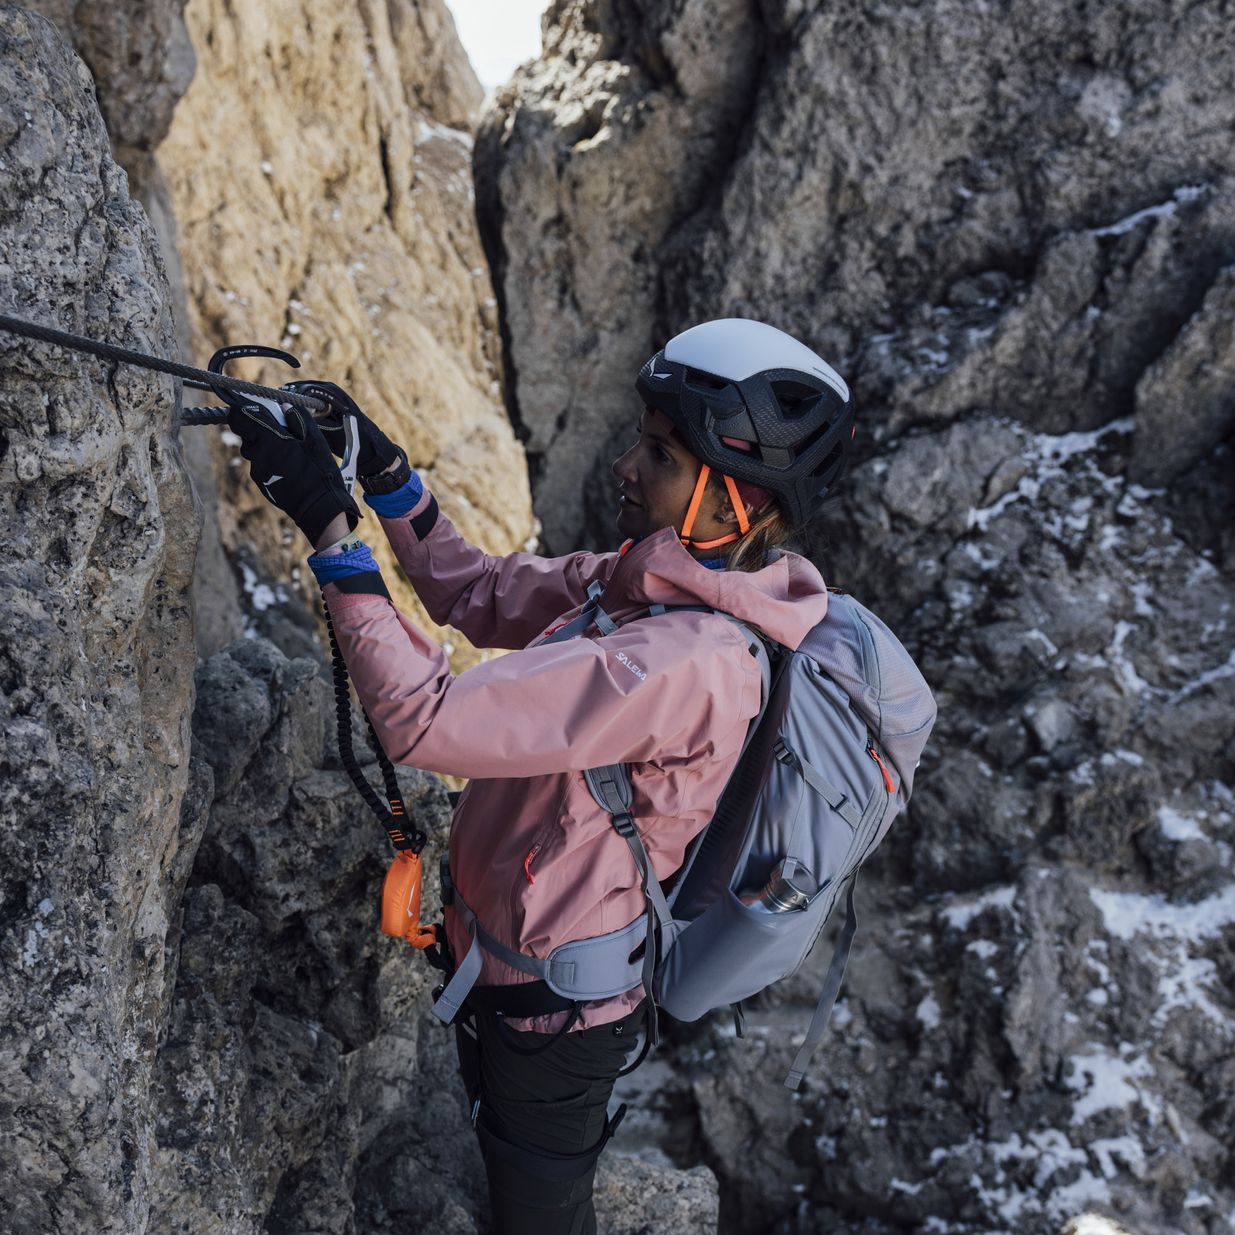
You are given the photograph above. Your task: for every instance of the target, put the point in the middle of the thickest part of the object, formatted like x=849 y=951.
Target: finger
x=297 y=422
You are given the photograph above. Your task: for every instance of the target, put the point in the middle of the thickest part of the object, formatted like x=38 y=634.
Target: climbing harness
x=401 y=892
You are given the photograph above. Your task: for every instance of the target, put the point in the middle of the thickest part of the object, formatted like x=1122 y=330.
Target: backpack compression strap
x=590 y=615
x=827 y=997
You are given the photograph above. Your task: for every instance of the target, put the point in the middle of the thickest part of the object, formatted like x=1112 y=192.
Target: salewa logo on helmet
x=630 y=664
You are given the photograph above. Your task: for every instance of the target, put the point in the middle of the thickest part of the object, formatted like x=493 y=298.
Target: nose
x=624 y=467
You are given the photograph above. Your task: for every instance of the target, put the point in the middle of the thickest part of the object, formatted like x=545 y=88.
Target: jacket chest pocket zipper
x=527 y=862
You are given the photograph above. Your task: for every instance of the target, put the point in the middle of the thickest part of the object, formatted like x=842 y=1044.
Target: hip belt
x=580 y=971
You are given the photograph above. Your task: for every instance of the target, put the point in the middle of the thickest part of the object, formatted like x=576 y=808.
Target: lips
x=630 y=501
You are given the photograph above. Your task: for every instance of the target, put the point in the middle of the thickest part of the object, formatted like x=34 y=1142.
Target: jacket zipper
x=527 y=862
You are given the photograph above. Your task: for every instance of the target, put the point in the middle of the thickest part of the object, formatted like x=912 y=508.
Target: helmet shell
x=747 y=381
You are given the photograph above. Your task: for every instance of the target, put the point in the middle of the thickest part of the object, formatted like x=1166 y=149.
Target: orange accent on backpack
x=888 y=783
x=401 y=902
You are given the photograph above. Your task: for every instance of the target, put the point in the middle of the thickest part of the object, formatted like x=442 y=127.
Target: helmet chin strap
x=692 y=512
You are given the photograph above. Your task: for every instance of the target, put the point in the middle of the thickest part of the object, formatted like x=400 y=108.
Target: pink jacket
x=672 y=695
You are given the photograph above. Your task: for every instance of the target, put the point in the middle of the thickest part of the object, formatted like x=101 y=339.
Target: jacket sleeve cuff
x=353 y=572
x=400 y=502
x=420 y=519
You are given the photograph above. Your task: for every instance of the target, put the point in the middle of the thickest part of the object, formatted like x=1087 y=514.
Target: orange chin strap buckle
x=401 y=902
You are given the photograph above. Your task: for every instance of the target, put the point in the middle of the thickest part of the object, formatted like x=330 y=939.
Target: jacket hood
x=785 y=600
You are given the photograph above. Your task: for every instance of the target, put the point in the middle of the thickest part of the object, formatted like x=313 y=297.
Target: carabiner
x=225 y=355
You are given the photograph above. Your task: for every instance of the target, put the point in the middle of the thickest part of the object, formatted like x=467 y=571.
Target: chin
x=629 y=523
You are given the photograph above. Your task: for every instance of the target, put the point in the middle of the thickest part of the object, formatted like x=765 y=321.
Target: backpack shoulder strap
x=612 y=790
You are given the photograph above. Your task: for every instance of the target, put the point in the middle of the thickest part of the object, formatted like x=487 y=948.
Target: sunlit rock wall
x=323 y=202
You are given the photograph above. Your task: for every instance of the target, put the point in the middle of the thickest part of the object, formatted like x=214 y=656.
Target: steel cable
x=199 y=379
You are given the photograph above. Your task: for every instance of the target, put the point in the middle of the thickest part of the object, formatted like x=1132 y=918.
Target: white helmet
x=751 y=383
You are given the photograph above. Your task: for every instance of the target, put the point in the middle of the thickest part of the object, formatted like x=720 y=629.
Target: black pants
x=542 y=1118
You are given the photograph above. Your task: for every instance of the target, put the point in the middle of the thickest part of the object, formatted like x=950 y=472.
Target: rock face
x=142 y=60
x=97 y=655
x=962 y=209
x=297 y=1046
x=1014 y=234
x=323 y=204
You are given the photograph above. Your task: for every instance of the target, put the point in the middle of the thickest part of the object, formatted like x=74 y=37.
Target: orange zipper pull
x=887 y=776
x=527 y=863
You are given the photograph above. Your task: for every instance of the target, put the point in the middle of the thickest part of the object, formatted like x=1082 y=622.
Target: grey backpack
x=829 y=762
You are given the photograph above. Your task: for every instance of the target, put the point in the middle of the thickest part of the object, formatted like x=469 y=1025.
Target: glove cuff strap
x=388 y=482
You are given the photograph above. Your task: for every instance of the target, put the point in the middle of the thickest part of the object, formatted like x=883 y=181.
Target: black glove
x=377 y=451
x=293 y=467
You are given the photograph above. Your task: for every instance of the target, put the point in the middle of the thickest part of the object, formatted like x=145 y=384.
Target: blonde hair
x=769 y=529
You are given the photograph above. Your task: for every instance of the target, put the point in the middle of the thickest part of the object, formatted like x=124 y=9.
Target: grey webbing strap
x=837 y=800
x=560 y=972
x=574 y=627
x=827 y=997
x=611 y=787
x=446 y=1006
x=459 y=987
x=604 y=623
x=591 y=614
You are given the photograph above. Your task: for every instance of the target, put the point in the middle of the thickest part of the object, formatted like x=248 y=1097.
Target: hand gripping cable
x=401 y=892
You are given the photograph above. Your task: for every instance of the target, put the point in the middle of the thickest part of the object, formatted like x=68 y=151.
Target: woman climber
x=743 y=433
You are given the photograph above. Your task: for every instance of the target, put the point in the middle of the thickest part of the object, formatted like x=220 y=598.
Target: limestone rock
x=323 y=204
x=963 y=212
x=591 y=157
x=97 y=653
x=634 y=1196
x=1186 y=402
x=142 y=61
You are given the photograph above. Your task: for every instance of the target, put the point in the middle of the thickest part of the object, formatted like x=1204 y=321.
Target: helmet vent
x=807 y=444
x=795 y=398
x=835 y=455
x=697 y=377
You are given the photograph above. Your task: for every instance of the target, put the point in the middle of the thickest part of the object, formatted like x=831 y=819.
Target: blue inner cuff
x=332 y=567
x=400 y=502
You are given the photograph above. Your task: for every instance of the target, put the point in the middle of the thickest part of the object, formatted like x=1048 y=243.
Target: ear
x=725 y=516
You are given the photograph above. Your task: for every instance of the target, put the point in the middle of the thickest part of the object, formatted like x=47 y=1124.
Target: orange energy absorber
x=401 y=902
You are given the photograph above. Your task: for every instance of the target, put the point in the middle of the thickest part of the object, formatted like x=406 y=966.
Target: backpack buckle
x=624 y=825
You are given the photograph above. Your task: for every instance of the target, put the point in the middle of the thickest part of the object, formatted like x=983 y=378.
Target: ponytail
x=768 y=530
